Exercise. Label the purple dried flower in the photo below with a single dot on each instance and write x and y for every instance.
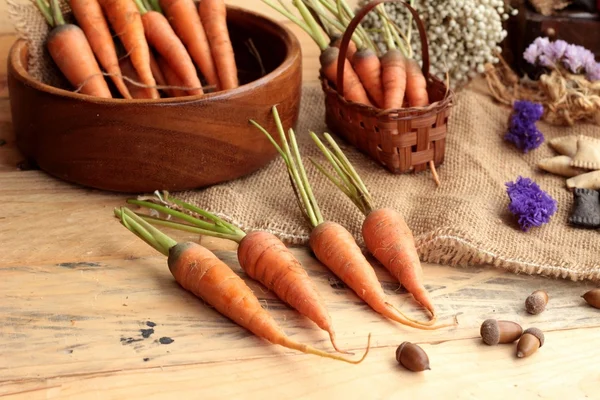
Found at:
(529, 203)
(531, 53)
(522, 131)
(531, 111)
(593, 72)
(543, 43)
(576, 57)
(557, 50)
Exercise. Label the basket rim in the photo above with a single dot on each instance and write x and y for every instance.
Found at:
(398, 113)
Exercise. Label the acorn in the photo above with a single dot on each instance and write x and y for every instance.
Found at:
(592, 298)
(494, 332)
(412, 357)
(536, 302)
(530, 342)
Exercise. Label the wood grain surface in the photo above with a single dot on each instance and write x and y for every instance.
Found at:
(84, 305)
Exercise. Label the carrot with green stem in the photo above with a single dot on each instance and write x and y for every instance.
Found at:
(71, 51)
(353, 88)
(91, 20)
(185, 19)
(330, 242)
(126, 21)
(213, 15)
(384, 230)
(262, 255)
(161, 36)
(199, 271)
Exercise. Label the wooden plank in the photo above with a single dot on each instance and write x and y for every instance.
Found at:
(564, 368)
(92, 317)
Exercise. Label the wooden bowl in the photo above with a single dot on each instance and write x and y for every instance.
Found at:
(172, 144)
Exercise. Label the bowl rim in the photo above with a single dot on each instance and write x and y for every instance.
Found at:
(293, 53)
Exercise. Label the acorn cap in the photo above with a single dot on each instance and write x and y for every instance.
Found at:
(537, 333)
(536, 302)
(490, 333)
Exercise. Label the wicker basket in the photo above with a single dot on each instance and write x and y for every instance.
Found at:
(401, 140)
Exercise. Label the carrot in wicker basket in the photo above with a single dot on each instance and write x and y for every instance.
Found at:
(202, 273)
(353, 88)
(262, 255)
(384, 230)
(331, 243)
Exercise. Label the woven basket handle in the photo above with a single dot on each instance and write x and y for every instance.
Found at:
(354, 23)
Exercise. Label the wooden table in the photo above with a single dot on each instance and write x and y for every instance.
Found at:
(87, 310)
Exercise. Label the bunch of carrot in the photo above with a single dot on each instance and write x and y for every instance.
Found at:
(389, 79)
(162, 48)
(384, 231)
(202, 273)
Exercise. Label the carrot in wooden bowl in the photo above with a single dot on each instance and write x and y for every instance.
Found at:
(69, 48)
(90, 18)
(262, 255)
(384, 230)
(185, 19)
(161, 36)
(202, 273)
(213, 15)
(331, 242)
(126, 21)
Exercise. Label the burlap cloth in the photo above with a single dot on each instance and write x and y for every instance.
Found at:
(465, 221)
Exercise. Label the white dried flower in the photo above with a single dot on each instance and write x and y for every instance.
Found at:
(463, 35)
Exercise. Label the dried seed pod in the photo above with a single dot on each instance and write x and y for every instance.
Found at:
(592, 298)
(412, 357)
(536, 302)
(494, 332)
(530, 342)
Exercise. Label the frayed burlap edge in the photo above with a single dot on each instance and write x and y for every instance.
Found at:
(447, 246)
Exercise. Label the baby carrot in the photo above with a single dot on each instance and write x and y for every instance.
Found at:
(213, 15)
(126, 21)
(200, 272)
(331, 243)
(69, 48)
(384, 230)
(184, 17)
(90, 18)
(416, 86)
(262, 255)
(161, 36)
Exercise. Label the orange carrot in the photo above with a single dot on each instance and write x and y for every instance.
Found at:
(184, 17)
(368, 68)
(126, 21)
(353, 88)
(262, 255)
(213, 15)
(128, 71)
(390, 240)
(171, 78)
(200, 272)
(331, 243)
(71, 51)
(416, 86)
(90, 18)
(161, 36)
(384, 230)
(393, 78)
